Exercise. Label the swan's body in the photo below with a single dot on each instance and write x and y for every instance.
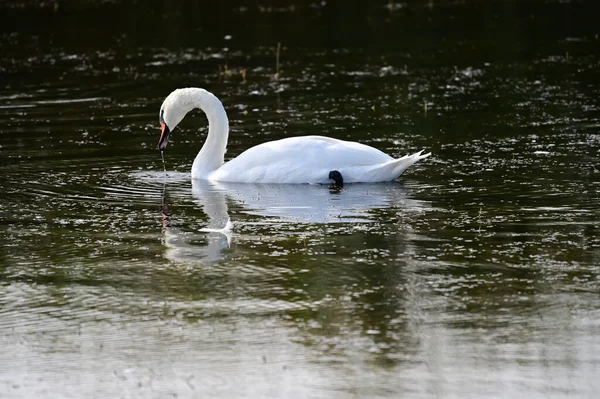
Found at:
(306, 159)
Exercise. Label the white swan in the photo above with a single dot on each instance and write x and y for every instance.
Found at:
(307, 159)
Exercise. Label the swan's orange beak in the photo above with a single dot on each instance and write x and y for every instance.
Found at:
(164, 136)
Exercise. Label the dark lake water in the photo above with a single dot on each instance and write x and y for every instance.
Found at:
(476, 274)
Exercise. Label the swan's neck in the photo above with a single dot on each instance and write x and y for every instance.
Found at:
(211, 156)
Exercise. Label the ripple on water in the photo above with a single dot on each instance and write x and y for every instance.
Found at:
(488, 247)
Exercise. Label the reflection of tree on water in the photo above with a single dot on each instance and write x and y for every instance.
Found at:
(344, 274)
(368, 307)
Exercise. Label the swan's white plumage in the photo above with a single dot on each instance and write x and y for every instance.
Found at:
(306, 159)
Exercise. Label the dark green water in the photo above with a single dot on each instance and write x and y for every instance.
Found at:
(477, 274)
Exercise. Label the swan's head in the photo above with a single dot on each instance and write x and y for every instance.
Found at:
(172, 111)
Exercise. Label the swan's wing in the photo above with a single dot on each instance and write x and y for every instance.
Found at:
(317, 151)
(305, 159)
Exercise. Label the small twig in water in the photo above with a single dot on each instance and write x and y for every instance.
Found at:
(277, 62)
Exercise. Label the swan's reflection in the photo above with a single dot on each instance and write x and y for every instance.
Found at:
(303, 203)
(183, 246)
(311, 204)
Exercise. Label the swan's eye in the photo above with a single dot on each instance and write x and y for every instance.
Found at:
(162, 116)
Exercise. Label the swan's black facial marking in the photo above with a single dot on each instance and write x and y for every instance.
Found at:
(337, 178)
(165, 132)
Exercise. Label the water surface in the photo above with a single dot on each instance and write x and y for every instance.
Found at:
(476, 274)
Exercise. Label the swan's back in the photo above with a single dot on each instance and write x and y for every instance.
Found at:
(306, 159)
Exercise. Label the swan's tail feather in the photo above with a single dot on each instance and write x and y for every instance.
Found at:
(387, 171)
(401, 164)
